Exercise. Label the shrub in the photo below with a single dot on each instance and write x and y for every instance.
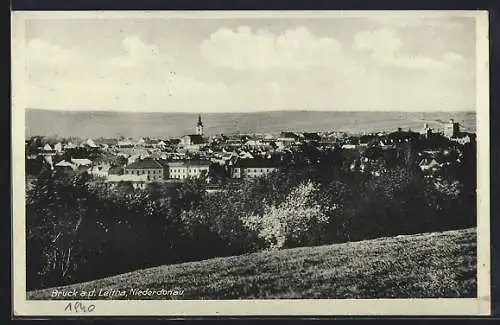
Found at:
(292, 222)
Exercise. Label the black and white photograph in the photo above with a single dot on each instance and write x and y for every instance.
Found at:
(172, 162)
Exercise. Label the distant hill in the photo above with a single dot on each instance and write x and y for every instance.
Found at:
(164, 125)
(429, 265)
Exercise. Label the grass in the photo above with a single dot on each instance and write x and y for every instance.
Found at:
(427, 265)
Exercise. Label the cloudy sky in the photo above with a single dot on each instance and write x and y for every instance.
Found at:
(249, 64)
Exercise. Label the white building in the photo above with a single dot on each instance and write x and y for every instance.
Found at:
(250, 168)
(90, 143)
(451, 129)
(65, 165)
(58, 147)
(81, 163)
(188, 169)
(100, 171)
(137, 181)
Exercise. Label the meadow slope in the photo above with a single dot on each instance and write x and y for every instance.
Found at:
(414, 266)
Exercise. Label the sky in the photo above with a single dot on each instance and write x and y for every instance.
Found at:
(172, 64)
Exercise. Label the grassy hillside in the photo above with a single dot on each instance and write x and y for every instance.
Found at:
(416, 266)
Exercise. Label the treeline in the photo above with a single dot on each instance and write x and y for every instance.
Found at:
(79, 231)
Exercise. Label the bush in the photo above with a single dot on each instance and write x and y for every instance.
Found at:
(292, 222)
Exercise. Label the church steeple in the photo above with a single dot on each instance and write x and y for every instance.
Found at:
(199, 126)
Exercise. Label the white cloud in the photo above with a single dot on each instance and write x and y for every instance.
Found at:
(384, 45)
(245, 49)
(294, 70)
(60, 78)
(135, 53)
(453, 58)
(42, 51)
(45, 57)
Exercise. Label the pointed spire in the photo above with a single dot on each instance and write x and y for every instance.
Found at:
(199, 120)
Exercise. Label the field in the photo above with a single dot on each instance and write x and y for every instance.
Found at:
(416, 266)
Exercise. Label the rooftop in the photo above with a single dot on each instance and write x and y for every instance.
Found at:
(145, 164)
(257, 162)
(81, 161)
(189, 163)
(126, 178)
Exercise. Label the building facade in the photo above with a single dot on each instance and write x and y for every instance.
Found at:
(137, 181)
(188, 169)
(250, 168)
(151, 169)
(451, 129)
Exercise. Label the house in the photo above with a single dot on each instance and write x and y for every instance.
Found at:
(90, 143)
(253, 143)
(451, 129)
(385, 144)
(429, 164)
(47, 148)
(463, 138)
(285, 142)
(245, 155)
(290, 135)
(140, 142)
(189, 168)
(311, 136)
(65, 165)
(81, 163)
(58, 147)
(100, 170)
(191, 139)
(106, 143)
(249, 168)
(69, 145)
(137, 181)
(152, 169)
(177, 170)
(161, 144)
(349, 146)
(426, 131)
(133, 158)
(268, 138)
(125, 144)
(223, 158)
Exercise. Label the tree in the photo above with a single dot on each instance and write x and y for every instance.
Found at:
(56, 207)
(292, 222)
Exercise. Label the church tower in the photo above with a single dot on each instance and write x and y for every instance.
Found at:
(199, 126)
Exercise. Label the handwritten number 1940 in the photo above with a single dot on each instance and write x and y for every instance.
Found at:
(79, 307)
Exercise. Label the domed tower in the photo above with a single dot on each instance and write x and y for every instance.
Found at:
(199, 126)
